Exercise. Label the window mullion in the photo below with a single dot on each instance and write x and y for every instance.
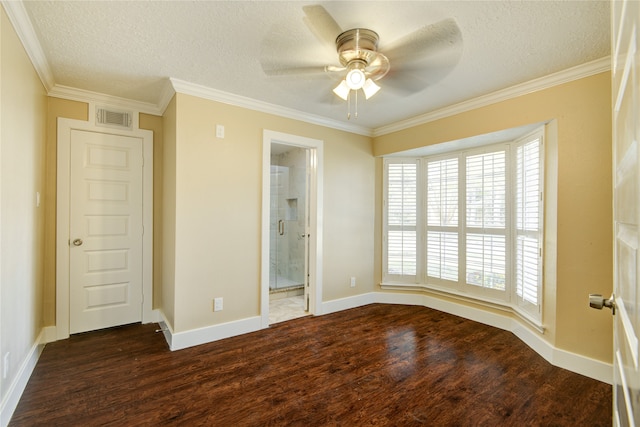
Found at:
(421, 255)
(511, 184)
(462, 221)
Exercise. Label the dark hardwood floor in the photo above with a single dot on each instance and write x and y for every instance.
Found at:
(375, 365)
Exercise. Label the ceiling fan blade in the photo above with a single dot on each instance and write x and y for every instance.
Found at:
(426, 41)
(405, 83)
(322, 25)
(414, 77)
(329, 70)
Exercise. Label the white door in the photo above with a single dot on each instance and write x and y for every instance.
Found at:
(105, 230)
(626, 212)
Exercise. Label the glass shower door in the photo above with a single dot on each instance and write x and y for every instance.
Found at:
(288, 227)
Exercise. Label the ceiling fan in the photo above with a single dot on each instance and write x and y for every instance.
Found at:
(410, 64)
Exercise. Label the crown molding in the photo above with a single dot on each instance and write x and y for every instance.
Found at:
(22, 25)
(74, 94)
(187, 88)
(165, 96)
(578, 72)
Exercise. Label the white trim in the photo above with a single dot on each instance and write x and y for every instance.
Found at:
(165, 97)
(629, 410)
(22, 24)
(354, 301)
(316, 218)
(193, 337)
(19, 383)
(204, 92)
(73, 94)
(573, 362)
(575, 73)
(62, 219)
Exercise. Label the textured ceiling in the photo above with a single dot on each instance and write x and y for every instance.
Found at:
(130, 49)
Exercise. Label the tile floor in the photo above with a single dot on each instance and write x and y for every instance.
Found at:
(283, 309)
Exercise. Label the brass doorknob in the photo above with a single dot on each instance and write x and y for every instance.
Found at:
(597, 301)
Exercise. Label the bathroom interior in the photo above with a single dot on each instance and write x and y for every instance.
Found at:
(288, 233)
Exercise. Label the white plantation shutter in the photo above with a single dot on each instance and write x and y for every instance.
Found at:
(486, 220)
(486, 190)
(401, 219)
(486, 261)
(528, 222)
(442, 219)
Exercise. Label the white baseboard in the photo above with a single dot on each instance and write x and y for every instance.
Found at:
(579, 364)
(193, 337)
(336, 305)
(19, 383)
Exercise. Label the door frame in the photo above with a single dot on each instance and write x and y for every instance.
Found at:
(65, 126)
(316, 152)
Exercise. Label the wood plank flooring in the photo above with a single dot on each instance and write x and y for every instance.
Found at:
(382, 365)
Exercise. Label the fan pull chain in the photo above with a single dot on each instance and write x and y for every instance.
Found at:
(349, 105)
(356, 104)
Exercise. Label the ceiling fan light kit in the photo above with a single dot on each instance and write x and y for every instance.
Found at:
(370, 88)
(342, 90)
(357, 52)
(355, 79)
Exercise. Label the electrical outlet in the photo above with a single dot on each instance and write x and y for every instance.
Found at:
(5, 366)
(353, 282)
(217, 304)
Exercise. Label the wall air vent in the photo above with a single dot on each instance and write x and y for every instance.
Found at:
(113, 118)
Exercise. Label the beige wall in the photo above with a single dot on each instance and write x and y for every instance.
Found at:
(154, 124)
(218, 184)
(23, 104)
(582, 112)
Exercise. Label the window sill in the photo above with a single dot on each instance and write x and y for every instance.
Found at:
(477, 301)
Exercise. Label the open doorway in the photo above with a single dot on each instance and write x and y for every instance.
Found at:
(291, 259)
(288, 233)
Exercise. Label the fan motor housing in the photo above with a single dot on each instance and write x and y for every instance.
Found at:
(356, 39)
(358, 47)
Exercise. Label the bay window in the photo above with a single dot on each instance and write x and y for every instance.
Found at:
(468, 223)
